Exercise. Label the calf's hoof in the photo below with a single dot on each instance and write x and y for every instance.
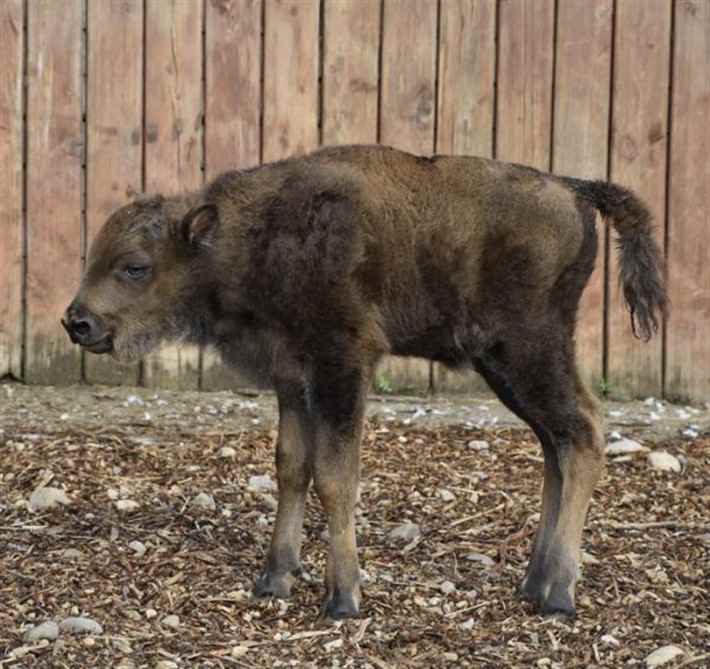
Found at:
(338, 606)
(551, 598)
(275, 585)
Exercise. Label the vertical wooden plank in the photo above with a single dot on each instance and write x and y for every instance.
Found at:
(114, 119)
(526, 54)
(54, 137)
(688, 344)
(466, 77)
(638, 161)
(350, 71)
(11, 49)
(407, 110)
(409, 37)
(290, 78)
(465, 110)
(232, 115)
(173, 150)
(580, 143)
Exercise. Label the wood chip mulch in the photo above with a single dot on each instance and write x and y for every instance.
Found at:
(645, 578)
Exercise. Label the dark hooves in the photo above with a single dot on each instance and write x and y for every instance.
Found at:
(339, 607)
(549, 599)
(273, 585)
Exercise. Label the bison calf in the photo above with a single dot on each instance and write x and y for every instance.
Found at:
(306, 272)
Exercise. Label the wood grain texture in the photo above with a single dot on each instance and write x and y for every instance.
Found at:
(232, 116)
(350, 71)
(638, 161)
(524, 107)
(54, 155)
(407, 109)
(688, 343)
(173, 149)
(290, 78)
(466, 78)
(465, 112)
(114, 130)
(580, 143)
(11, 49)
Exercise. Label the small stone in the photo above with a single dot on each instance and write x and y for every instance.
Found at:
(227, 453)
(138, 547)
(47, 630)
(126, 663)
(447, 587)
(610, 640)
(80, 625)
(664, 462)
(166, 664)
(691, 433)
(126, 505)
(405, 532)
(134, 400)
(47, 498)
(451, 657)
(332, 645)
(467, 625)
(270, 501)
(171, 621)
(663, 655)
(478, 445)
(446, 495)
(150, 613)
(262, 483)
(624, 447)
(239, 651)
(480, 557)
(72, 554)
(122, 644)
(203, 501)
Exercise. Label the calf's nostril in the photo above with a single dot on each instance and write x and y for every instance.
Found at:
(81, 328)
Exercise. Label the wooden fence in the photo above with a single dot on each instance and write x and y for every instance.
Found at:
(103, 99)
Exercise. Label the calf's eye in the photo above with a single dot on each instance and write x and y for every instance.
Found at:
(135, 271)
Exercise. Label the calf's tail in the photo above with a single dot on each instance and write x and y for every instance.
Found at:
(641, 266)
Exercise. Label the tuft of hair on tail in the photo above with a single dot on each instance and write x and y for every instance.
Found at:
(641, 265)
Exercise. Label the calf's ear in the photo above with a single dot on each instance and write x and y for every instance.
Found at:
(199, 226)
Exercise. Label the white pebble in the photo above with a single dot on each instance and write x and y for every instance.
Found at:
(138, 547)
(405, 532)
(624, 447)
(171, 621)
(126, 505)
(227, 453)
(478, 445)
(480, 557)
(47, 498)
(447, 587)
(446, 495)
(47, 630)
(610, 640)
(79, 625)
(204, 501)
(262, 483)
(663, 655)
(166, 664)
(664, 461)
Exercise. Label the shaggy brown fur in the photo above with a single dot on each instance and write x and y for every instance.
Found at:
(307, 271)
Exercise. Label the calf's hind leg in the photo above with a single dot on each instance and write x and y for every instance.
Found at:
(293, 470)
(544, 389)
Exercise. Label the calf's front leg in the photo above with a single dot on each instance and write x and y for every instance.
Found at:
(339, 401)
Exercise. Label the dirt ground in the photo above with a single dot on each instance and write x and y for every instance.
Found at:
(169, 580)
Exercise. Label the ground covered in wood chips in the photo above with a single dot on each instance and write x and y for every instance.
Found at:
(445, 597)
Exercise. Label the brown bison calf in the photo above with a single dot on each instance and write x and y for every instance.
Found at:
(307, 271)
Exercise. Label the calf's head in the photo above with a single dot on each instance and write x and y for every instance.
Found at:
(141, 277)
